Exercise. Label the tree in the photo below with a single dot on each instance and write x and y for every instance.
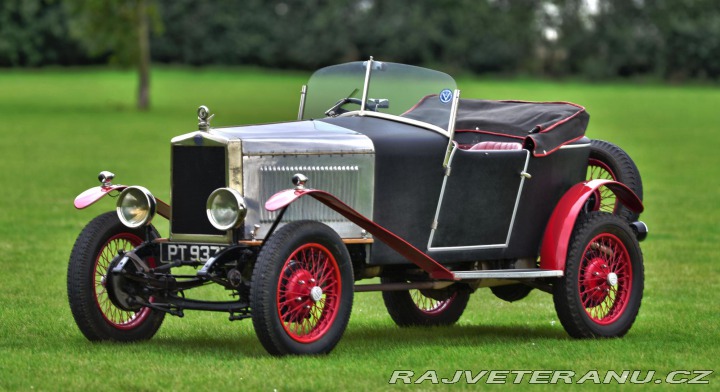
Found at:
(35, 33)
(690, 31)
(120, 28)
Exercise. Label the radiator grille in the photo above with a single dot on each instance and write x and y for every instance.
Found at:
(196, 172)
(341, 181)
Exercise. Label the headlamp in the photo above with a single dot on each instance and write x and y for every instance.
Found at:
(136, 206)
(226, 208)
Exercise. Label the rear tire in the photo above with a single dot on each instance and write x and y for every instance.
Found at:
(610, 162)
(413, 308)
(602, 289)
(94, 313)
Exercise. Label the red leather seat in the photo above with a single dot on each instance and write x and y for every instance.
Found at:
(496, 146)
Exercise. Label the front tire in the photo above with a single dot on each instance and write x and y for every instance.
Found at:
(94, 313)
(600, 294)
(423, 308)
(302, 290)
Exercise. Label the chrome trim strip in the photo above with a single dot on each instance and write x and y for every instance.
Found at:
(509, 274)
(437, 210)
(202, 238)
(451, 127)
(188, 139)
(303, 96)
(366, 86)
(517, 200)
(309, 153)
(477, 247)
(234, 164)
(399, 119)
(569, 146)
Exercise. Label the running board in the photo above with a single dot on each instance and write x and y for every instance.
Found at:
(529, 273)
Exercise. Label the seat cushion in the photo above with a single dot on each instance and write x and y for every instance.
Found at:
(496, 146)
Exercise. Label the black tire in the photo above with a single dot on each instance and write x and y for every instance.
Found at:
(301, 293)
(602, 250)
(94, 313)
(512, 292)
(425, 308)
(608, 161)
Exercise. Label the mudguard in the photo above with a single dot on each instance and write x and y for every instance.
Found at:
(416, 256)
(553, 251)
(92, 195)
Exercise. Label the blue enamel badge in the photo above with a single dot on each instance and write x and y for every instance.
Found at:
(446, 96)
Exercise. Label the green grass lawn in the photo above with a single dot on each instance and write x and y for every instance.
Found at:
(60, 128)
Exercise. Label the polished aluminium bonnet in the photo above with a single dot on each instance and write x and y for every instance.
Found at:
(261, 160)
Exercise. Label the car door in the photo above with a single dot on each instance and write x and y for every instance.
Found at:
(479, 200)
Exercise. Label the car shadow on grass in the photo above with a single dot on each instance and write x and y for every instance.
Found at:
(452, 335)
(364, 339)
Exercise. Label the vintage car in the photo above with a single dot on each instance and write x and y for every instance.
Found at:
(393, 177)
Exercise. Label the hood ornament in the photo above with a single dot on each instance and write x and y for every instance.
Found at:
(204, 118)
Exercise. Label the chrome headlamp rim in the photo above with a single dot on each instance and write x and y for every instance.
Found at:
(239, 204)
(148, 201)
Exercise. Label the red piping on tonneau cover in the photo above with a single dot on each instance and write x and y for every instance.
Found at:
(427, 263)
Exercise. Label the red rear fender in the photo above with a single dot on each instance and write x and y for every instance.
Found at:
(562, 221)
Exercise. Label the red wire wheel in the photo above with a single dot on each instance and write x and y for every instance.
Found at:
(425, 308)
(309, 290)
(603, 198)
(609, 162)
(605, 279)
(118, 318)
(94, 313)
(430, 306)
(602, 289)
(302, 290)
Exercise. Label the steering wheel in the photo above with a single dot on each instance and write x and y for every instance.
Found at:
(337, 109)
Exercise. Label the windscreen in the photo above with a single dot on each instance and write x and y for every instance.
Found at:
(395, 89)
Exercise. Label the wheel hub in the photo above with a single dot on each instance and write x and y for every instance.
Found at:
(597, 281)
(121, 290)
(316, 293)
(299, 284)
(612, 279)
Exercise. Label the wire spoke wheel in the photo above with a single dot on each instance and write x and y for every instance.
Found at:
(119, 318)
(309, 292)
(301, 292)
(605, 278)
(609, 162)
(429, 305)
(604, 200)
(602, 289)
(87, 282)
(425, 307)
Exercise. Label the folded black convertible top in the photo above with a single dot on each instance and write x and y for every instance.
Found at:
(542, 127)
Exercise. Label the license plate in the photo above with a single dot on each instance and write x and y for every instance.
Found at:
(171, 251)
